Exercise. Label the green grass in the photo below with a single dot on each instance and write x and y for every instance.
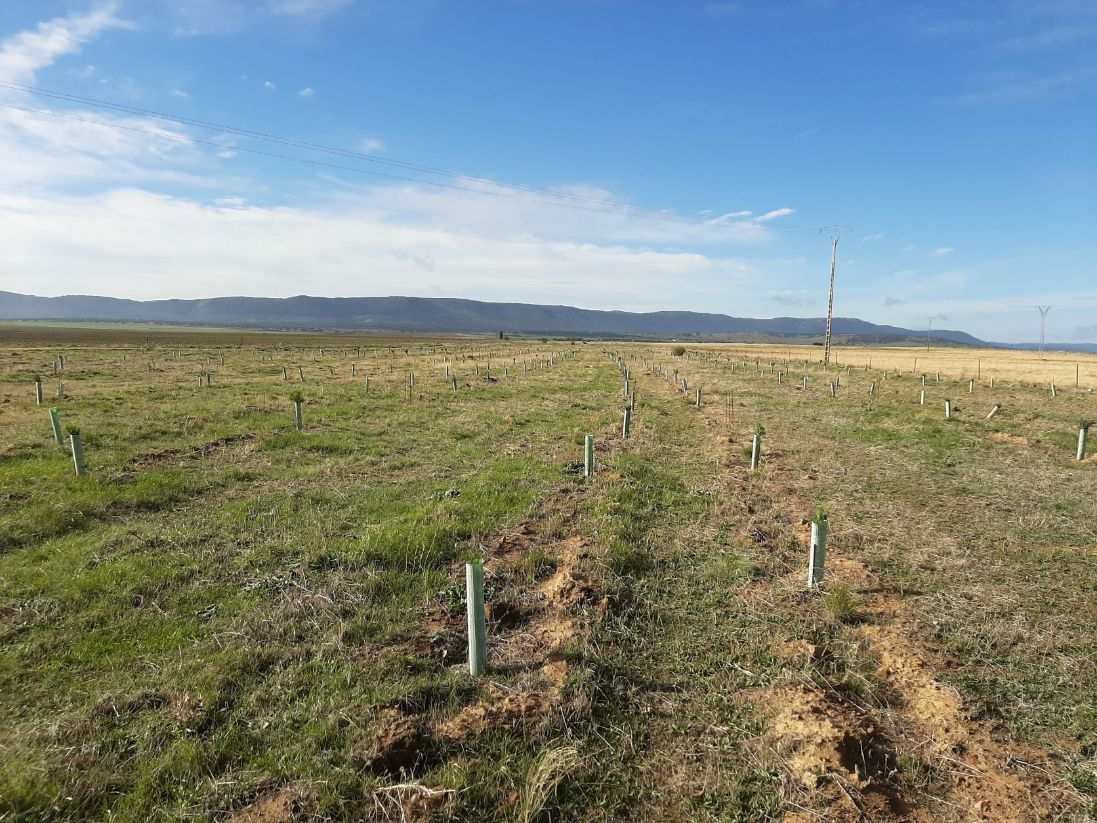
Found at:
(224, 605)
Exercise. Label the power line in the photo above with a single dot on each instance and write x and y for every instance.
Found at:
(273, 138)
(181, 138)
(566, 199)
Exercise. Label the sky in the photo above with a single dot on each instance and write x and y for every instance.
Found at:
(608, 154)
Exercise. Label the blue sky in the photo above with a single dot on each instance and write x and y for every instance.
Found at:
(703, 143)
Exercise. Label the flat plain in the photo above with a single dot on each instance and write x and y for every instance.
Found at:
(225, 618)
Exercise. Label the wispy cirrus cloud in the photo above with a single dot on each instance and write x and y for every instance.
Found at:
(307, 8)
(773, 215)
(90, 194)
(28, 52)
(942, 251)
(1014, 88)
(43, 147)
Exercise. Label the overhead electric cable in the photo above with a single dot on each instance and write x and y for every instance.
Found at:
(559, 198)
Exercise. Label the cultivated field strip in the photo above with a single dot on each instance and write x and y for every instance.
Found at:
(229, 617)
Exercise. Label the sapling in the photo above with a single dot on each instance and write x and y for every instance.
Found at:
(817, 552)
(756, 447)
(1083, 433)
(477, 623)
(297, 398)
(77, 451)
(588, 456)
(55, 422)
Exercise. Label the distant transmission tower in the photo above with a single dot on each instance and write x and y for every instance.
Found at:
(1043, 325)
(830, 298)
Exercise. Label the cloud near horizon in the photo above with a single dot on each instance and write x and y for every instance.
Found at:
(126, 206)
(92, 216)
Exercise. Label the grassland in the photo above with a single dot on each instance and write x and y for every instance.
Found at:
(228, 619)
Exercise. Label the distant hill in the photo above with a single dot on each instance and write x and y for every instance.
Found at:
(443, 314)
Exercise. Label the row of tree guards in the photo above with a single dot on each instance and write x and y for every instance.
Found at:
(474, 570)
(781, 373)
(297, 399)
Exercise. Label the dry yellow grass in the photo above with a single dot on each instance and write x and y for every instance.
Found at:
(1062, 368)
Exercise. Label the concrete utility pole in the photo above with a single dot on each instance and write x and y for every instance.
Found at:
(1043, 325)
(929, 334)
(830, 299)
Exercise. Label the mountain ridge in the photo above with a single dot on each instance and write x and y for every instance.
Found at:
(444, 314)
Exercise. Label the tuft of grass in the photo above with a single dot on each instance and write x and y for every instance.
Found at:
(543, 779)
(842, 604)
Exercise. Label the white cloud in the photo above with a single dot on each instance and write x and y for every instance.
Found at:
(1021, 89)
(371, 145)
(41, 148)
(127, 241)
(23, 54)
(179, 93)
(269, 85)
(942, 251)
(731, 216)
(307, 8)
(306, 92)
(82, 223)
(221, 17)
(773, 215)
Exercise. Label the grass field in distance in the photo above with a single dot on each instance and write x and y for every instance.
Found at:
(228, 619)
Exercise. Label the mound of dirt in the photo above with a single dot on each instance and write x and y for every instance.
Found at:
(401, 744)
(502, 710)
(280, 806)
